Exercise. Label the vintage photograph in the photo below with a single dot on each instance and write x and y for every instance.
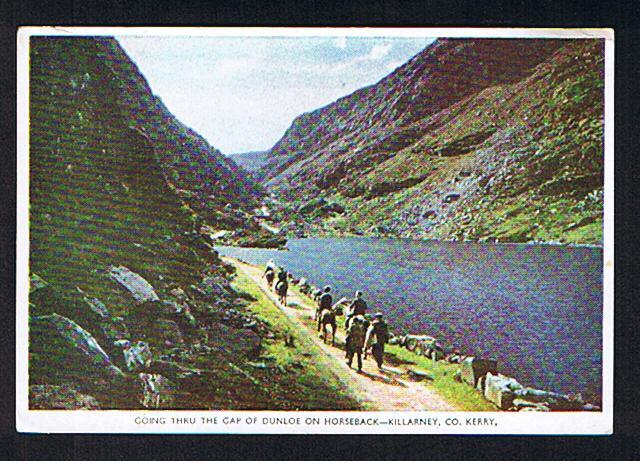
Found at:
(315, 220)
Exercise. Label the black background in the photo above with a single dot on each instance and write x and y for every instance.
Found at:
(622, 16)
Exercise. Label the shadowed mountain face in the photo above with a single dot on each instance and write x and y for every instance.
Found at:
(118, 258)
(470, 139)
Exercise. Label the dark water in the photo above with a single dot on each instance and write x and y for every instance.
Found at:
(537, 309)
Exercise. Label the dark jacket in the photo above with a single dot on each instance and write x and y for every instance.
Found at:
(358, 306)
(326, 301)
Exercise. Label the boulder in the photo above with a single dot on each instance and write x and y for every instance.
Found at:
(474, 368)
(501, 390)
(112, 328)
(60, 397)
(157, 391)
(59, 348)
(523, 405)
(416, 342)
(36, 283)
(437, 355)
(136, 356)
(140, 289)
(419, 375)
(555, 401)
(451, 197)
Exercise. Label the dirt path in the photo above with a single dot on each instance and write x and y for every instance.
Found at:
(386, 390)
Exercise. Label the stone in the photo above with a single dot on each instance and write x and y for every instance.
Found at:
(519, 404)
(451, 197)
(60, 397)
(415, 342)
(136, 356)
(501, 390)
(555, 401)
(474, 368)
(36, 283)
(157, 391)
(111, 327)
(59, 347)
(418, 375)
(140, 289)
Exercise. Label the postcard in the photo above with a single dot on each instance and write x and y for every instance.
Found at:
(315, 230)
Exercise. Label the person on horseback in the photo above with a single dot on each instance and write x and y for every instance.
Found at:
(324, 302)
(282, 286)
(356, 333)
(269, 274)
(358, 307)
(380, 331)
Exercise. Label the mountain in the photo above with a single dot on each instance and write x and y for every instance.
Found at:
(127, 295)
(252, 161)
(479, 139)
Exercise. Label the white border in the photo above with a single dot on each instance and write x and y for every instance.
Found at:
(565, 423)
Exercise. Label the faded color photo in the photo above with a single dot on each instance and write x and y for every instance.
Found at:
(316, 223)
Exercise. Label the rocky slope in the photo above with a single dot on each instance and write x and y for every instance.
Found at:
(471, 139)
(129, 305)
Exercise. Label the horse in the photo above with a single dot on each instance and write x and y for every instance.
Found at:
(281, 291)
(327, 317)
(269, 275)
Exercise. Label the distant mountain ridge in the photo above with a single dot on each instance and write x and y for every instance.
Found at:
(252, 161)
(466, 123)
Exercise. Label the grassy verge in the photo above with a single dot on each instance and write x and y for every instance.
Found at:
(461, 395)
(306, 379)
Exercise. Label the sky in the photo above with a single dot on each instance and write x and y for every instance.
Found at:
(242, 93)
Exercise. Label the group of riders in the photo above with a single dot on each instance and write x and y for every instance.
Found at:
(364, 332)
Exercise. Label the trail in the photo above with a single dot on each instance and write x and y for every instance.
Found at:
(386, 390)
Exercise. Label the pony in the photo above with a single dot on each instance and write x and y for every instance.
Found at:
(327, 318)
(281, 291)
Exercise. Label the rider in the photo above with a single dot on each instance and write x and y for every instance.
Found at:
(282, 285)
(269, 273)
(324, 302)
(380, 331)
(355, 340)
(358, 307)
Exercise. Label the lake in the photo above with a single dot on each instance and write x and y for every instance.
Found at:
(537, 309)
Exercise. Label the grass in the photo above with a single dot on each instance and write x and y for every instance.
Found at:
(308, 380)
(461, 395)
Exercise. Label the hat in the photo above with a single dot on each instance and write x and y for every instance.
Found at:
(377, 315)
(327, 289)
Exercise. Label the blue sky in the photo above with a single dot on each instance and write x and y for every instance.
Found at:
(241, 93)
